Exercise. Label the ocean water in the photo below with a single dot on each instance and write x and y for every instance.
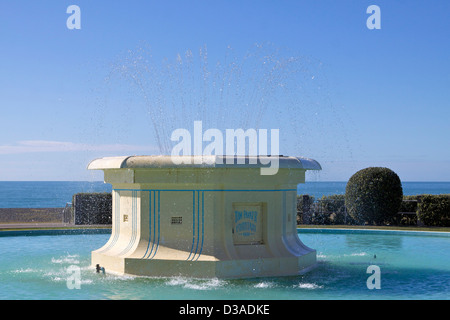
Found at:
(55, 194)
(45, 194)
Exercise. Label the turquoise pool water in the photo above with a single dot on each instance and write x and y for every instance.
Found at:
(412, 266)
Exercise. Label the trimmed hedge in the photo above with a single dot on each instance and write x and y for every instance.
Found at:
(328, 210)
(434, 210)
(430, 210)
(374, 195)
(333, 209)
(304, 203)
(92, 208)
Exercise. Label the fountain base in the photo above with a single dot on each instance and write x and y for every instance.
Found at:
(208, 269)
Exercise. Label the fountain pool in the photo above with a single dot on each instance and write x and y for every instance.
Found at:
(413, 265)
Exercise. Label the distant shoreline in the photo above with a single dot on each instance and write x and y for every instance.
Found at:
(38, 218)
(31, 215)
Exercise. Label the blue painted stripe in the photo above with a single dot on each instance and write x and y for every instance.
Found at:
(154, 224)
(159, 208)
(154, 236)
(193, 224)
(200, 236)
(203, 224)
(149, 223)
(154, 221)
(198, 223)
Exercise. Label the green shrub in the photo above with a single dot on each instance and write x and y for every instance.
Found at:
(304, 207)
(320, 216)
(434, 210)
(374, 195)
(333, 206)
(304, 202)
(328, 210)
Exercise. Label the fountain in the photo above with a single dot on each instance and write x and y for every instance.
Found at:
(205, 218)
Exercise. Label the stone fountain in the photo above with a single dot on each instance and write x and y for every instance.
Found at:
(205, 218)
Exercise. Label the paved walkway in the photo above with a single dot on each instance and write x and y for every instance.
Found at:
(7, 226)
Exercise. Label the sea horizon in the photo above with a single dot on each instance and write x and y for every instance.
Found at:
(56, 194)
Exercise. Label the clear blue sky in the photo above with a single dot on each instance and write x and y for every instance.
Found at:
(368, 97)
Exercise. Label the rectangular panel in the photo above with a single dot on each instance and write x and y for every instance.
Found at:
(247, 223)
